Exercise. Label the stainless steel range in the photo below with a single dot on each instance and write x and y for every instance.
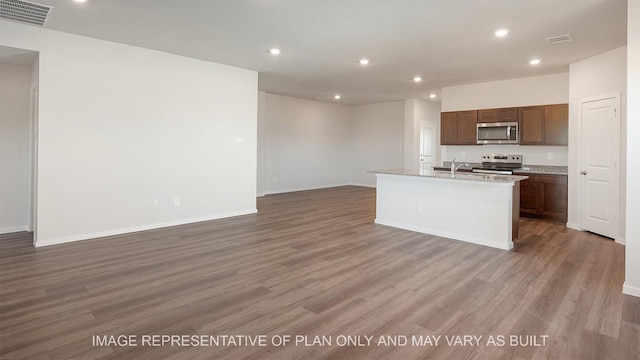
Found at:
(499, 164)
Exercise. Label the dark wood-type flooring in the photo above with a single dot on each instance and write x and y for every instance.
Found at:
(313, 263)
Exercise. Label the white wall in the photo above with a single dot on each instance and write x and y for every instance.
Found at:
(15, 87)
(307, 144)
(535, 90)
(377, 140)
(531, 155)
(632, 250)
(599, 75)
(311, 144)
(416, 111)
(120, 126)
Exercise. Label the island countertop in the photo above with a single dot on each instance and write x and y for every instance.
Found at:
(494, 178)
(526, 169)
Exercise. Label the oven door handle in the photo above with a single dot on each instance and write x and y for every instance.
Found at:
(501, 172)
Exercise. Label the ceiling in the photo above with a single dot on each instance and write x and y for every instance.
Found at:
(445, 42)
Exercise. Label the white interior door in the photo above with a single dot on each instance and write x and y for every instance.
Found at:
(600, 170)
(427, 145)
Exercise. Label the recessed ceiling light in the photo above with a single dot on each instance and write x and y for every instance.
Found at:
(534, 62)
(80, 1)
(363, 61)
(417, 79)
(274, 51)
(337, 97)
(501, 32)
(433, 96)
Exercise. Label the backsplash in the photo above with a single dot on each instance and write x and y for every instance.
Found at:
(531, 155)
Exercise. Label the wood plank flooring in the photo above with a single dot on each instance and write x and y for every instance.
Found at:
(313, 264)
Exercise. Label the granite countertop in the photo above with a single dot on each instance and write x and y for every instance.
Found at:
(543, 169)
(464, 166)
(526, 169)
(493, 178)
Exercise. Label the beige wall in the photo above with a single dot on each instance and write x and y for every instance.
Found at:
(377, 140)
(306, 144)
(632, 280)
(121, 126)
(535, 90)
(15, 156)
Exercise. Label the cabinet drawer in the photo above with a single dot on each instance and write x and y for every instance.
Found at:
(546, 179)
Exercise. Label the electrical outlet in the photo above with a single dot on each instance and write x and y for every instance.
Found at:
(176, 201)
(156, 203)
(549, 156)
(420, 207)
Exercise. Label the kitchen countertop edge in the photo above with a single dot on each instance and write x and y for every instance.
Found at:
(525, 169)
(487, 178)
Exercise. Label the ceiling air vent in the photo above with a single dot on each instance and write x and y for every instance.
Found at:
(559, 39)
(24, 12)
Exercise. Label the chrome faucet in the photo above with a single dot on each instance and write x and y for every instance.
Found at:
(454, 167)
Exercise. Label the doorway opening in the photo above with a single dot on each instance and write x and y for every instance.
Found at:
(599, 165)
(427, 145)
(19, 69)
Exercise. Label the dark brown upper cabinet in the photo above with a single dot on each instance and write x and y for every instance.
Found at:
(498, 115)
(539, 125)
(532, 125)
(556, 124)
(544, 125)
(458, 127)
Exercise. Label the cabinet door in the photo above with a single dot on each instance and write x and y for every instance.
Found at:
(488, 115)
(555, 202)
(556, 124)
(532, 125)
(449, 128)
(544, 197)
(467, 127)
(507, 114)
(555, 197)
(530, 197)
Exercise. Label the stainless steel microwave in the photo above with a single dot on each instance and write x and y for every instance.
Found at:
(498, 133)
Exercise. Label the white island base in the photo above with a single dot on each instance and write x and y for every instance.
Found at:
(471, 208)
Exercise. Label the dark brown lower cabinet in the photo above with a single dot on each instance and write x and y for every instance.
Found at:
(544, 197)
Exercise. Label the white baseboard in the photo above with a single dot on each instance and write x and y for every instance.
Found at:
(89, 236)
(446, 234)
(620, 240)
(630, 290)
(574, 226)
(13, 229)
(306, 188)
(364, 185)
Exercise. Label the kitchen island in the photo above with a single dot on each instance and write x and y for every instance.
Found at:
(477, 208)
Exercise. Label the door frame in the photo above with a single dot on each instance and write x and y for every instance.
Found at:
(617, 96)
(32, 221)
(434, 140)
